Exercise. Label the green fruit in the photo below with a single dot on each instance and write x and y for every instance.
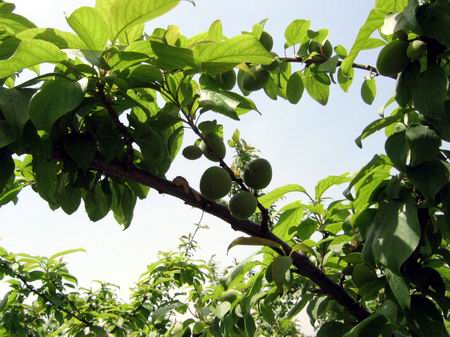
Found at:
(392, 58)
(227, 79)
(214, 148)
(362, 274)
(416, 50)
(215, 183)
(256, 80)
(258, 174)
(266, 40)
(192, 152)
(230, 295)
(242, 205)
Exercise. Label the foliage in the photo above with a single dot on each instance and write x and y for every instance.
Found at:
(106, 124)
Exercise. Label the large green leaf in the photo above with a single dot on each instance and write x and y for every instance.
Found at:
(90, 26)
(63, 40)
(397, 149)
(295, 87)
(54, 100)
(317, 85)
(399, 288)
(424, 144)
(397, 234)
(28, 54)
(429, 92)
(252, 241)
(170, 57)
(290, 217)
(297, 32)
(122, 15)
(81, 149)
(7, 134)
(373, 21)
(13, 23)
(432, 18)
(377, 125)
(14, 106)
(218, 56)
(98, 201)
(273, 196)
(323, 185)
(424, 319)
(429, 177)
(6, 168)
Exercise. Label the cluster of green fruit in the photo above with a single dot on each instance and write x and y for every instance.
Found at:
(257, 76)
(216, 182)
(396, 55)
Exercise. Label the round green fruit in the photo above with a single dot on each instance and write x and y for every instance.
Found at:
(416, 50)
(362, 274)
(230, 295)
(266, 40)
(214, 148)
(242, 205)
(258, 174)
(192, 152)
(227, 79)
(256, 80)
(392, 58)
(215, 183)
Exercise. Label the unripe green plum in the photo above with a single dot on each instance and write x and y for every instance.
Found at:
(227, 80)
(215, 183)
(392, 58)
(266, 40)
(256, 80)
(416, 50)
(258, 174)
(242, 205)
(192, 152)
(214, 148)
(230, 295)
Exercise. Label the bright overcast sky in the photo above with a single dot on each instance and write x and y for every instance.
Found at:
(304, 143)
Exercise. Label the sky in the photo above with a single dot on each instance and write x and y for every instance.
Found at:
(304, 143)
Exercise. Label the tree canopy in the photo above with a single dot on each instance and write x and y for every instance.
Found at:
(103, 127)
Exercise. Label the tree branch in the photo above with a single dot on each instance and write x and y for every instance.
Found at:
(191, 197)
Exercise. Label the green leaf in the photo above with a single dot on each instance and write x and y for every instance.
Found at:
(399, 288)
(329, 66)
(373, 21)
(252, 241)
(224, 55)
(294, 89)
(290, 217)
(63, 40)
(431, 18)
(425, 319)
(68, 196)
(81, 149)
(397, 150)
(377, 125)
(273, 196)
(323, 185)
(170, 57)
(98, 201)
(221, 309)
(7, 134)
(124, 201)
(28, 54)
(162, 311)
(218, 102)
(372, 326)
(121, 15)
(66, 252)
(429, 92)
(296, 32)
(429, 177)
(397, 234)
(55, 99)
(317, 85)
(14, 106)
(6, 168)
(215, 32)
(333, 329)
(12, 23)
(90, 26)
(345, 81)
(369, 90)
(424, 144)
(279, 268)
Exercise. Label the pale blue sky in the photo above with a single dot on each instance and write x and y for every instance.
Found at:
(304, 142)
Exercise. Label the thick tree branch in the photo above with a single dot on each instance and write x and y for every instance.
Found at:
(191, 197)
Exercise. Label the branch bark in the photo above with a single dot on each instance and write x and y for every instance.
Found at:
(191, 197)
